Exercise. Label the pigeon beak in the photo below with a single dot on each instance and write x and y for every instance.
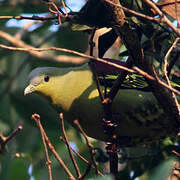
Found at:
(29, 89)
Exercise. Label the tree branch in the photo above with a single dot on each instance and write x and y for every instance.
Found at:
(144, 61)
(36, 118)
(68, 146)
(44, 56)
(5, 140)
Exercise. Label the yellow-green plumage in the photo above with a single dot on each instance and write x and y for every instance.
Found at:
(73, 92)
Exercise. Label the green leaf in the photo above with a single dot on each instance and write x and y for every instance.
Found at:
(107, 177)
(3, 76)
(164, 170)
(79, 27)
(75, 40)
(14, 167)
(19, 169)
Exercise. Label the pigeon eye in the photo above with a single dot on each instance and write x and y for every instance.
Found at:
(46, 78)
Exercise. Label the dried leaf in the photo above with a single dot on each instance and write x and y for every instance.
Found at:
(106, 41)
(170, 7)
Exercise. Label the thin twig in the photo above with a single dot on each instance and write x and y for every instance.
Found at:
(51, 147)
(91, 149)
(166, 73)
(133, 70)
(143, 73)
(174, 59)
(48, 161)
(68, 146)
(68, 51)
(74, 151)
(5, 140)
(133, 12)
(164, 19)
(57, 11)
(30, 18)
(167, 55)
(13, 134)
(81, 157)
(44, 56)
(176, 153)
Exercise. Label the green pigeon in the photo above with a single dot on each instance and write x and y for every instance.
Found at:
(139, 119)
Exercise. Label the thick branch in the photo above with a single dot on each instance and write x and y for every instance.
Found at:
(132, 43)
